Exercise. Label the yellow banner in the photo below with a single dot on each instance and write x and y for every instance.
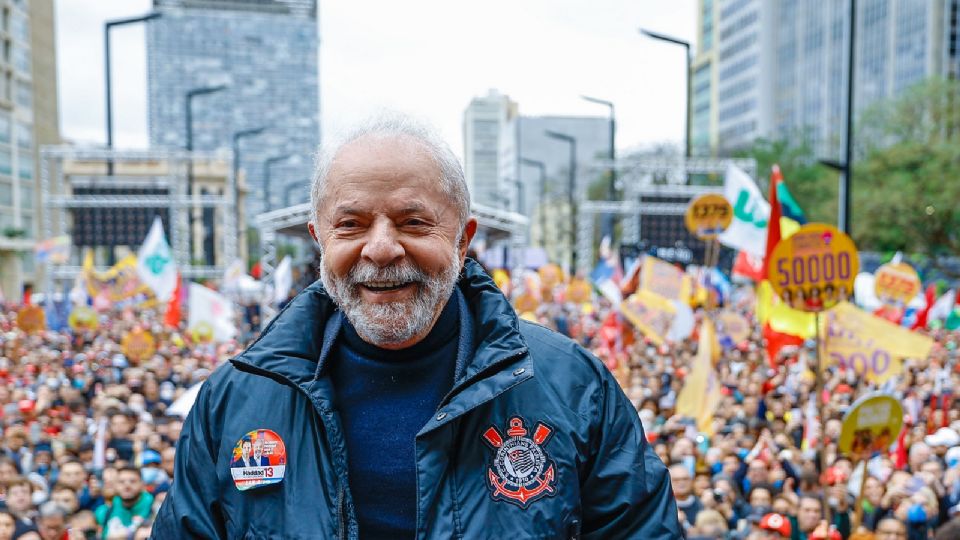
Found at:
(119, 285)
(665, 279)
(701, 393)
(871, 346)
(650, 313)
(783, 318)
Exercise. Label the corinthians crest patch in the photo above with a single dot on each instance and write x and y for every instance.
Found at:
(520, 471)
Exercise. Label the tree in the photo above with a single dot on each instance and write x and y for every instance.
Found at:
(812, 185)
(907, 183)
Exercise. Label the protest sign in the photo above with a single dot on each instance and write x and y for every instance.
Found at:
(870, 426)
(138, 345)
(31, 319)
(871, 346)
(650, 313)
(83, 318)
(896, 283)
(814, 268)
(708, 215)
(665, 279)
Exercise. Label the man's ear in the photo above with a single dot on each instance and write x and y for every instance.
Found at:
(313, 231)
(469, 231)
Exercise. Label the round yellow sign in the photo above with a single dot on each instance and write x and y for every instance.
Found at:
(709, 215)
(138, 345)
(896, 283)
(578, 291)
(871, 425)
(31, 319)
(83, 318)
(815, 268)
(202, 332)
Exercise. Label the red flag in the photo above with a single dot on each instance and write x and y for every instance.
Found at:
(748, 266)
(900, 455)
(777, 341)
(931, 297)
(174, 308)
(773, 224)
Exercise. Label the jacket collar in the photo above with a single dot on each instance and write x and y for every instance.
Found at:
(289, 348)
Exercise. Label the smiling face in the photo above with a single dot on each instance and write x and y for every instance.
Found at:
(391, 239)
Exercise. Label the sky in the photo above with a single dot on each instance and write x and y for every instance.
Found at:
(428, 58)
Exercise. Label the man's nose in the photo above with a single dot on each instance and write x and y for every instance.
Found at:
(383, 247)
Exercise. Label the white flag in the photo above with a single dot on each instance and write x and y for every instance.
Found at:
(211, 308)
(232, 275)
(748, 230)
(282, 280)
(943, 306)
(155, 265)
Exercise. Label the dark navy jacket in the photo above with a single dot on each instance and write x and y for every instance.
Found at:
(535, 440)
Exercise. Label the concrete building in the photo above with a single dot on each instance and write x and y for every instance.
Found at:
(489, 142)
(778, 68)
(592, 134)
(28, 118)
(265, 51)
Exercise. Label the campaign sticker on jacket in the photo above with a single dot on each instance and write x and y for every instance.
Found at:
(521, 471)
(258, 459)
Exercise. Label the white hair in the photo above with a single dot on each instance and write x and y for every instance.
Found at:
(396, 125)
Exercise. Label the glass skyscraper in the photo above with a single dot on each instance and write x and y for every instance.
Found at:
(775, 68)
(265, 51)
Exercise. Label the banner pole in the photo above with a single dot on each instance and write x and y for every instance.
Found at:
(858, 511)
(820, 410)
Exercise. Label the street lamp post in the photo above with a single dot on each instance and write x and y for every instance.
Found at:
(236, 156)
(188, 110)
(571, 193)
(290, 189)
(266, 177)
(543, 195)
(612, 187)
(686, 46)
(106, 65)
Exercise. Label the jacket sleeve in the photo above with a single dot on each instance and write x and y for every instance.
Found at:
(626, 492)
(192, 509)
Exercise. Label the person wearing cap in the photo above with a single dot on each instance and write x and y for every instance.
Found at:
(773, 526)
(412, 400)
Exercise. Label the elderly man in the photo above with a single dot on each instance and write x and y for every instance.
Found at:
(401, 393)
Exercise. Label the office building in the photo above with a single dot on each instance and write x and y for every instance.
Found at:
(265, 52)
(778, 68)
(489, 142)
(28, 119)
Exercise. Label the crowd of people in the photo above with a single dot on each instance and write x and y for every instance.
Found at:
(763, 469)
(88, 446)
(89, 441)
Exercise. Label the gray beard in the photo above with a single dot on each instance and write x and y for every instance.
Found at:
(390, 323)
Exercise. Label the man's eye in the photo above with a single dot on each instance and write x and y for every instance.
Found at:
(347, 224)
(415, 222)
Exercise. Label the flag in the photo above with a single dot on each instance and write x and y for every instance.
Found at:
(210, 307)
(789, 209)
(943, 306)
(773, 227)
(872, 346)
(155, 265)
(55, 312)
(748, 230)
(811, 425)
(607, 275)
(748, 266)
(174, 312)
(701, 391)
(53, 250)
(232, 275)
(282, 280)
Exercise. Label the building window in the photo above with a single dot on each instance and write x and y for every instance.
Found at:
(4, 127)
(21, 61)
(6, 194)
(24, 136)
(20, 27)
(26, 168)
(24, 94)
(6, 162)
